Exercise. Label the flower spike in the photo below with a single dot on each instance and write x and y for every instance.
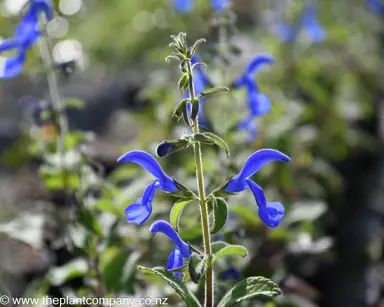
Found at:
(166, 228)
(252, 165)
(270, 213)
(146, 161)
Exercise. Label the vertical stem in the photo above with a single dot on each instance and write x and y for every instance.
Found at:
(209, 290)
(56, 100)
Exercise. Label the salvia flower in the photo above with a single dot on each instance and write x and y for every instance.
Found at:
(220, 5)
(258, 103)
(183, 6)
(308, 22)
(248, 124)
(376, 6)
(270, 213)
(26, 34)
(181, 249)
(140, 211)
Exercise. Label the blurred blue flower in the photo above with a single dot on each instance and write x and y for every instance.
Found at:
(270, 213)
(231, 273)
(140, 211)
(183, 6)
(249, 125)
(308, 22)
(376, 6)
(26, 34)
(181, 250)
(258, 103)
(220, 5)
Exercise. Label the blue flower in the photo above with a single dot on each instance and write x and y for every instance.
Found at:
(256, 161)
(258, 103)
(183, 6)
(308, 22)
(181, 250)
(140, 211)
(376, 6)
(270, 213)
(249, 125)
(26, 34)
(220, 5)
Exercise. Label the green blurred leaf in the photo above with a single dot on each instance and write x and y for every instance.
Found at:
(73, 269)
(186, 295)
(212, 91)
(252, 287)
(74, 103)
(89, 220)
(183, 82)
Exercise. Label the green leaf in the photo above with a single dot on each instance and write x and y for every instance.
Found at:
(184, 82)
(165, 148)
(186, 116)
(212, 91)
(74, 103)
(196, 267)
(252, 287)
(195, 109)
(192, 50)
(87, 219)
(186, 295)
(211, 138)
(178, 111)
(75, 268)
(176, 212)
(220, 214)
(224, 249)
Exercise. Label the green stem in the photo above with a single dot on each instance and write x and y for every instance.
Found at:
(209, 278)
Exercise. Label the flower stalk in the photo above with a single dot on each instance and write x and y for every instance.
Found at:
(209, 276)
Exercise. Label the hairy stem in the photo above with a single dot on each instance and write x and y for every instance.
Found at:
(209, 278)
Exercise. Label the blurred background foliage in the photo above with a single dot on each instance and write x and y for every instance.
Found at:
(326, 115)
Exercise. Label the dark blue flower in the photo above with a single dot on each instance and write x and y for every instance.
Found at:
(220, 5)
(252, 165)
(258, 103)
(231, 273)
(183, 6)
(26, 34)
(270, 213)
(140, 211)
(181, 250)
(376, 6)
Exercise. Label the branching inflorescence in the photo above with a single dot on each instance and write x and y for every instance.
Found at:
(186, 261)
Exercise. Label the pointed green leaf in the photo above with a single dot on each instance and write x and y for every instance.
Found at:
(192, 50)
(176, 212)
(212, 91)
(220, 214)
(186, 295)
(196, 267)
(211, 138)
(252, 287)
(224, 249)
(184, 82)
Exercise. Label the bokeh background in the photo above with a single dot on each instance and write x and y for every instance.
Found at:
(327, 114)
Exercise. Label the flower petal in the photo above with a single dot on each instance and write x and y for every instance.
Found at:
(12, 66)
(137, 213)
(183, 6)
(259, 61)
(166, 228)
(259, 104)
(316, 33)
(258, 193)
(175, 260)
(252, 165)
(146, 161)
(285, 32)
(220, 5)
(38, 6)
(272, 214)
(249, 125)
(9, 44)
